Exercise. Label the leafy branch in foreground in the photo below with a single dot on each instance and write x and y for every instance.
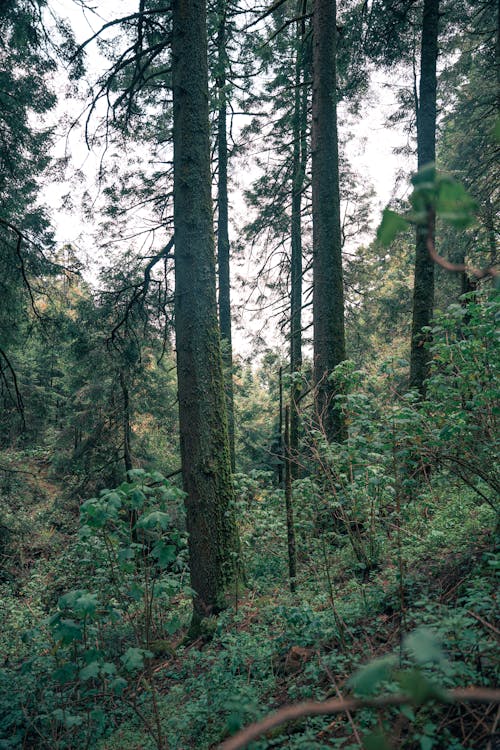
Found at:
(416, 689)
(435, 194)
(341, 705)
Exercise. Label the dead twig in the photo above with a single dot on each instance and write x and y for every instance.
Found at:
(339, 696)
(484, 622)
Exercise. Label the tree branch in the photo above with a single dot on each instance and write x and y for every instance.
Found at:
(141, 289)
(132, 17)
(336, 706)
(19, 399)
(479, 273)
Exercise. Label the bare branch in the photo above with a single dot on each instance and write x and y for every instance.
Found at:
(336, 706)
(479, 273)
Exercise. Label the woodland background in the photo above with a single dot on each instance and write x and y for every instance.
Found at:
(190, 538)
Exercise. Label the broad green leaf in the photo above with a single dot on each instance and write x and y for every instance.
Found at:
(73, 720)
(173, 625)
(114, 499)
(390, 226)
(91, 671)
(135, 591)
(375, 741)
(153, 520)
(86, 603)
(98, 717)
(426, 743)
(66, 673)
(67, 601)
(454, 204)
(133, 658)
(156, 476)
(424, 647)
(137, 498)
(425, 178)
(366, 680)
(164, 553)
(118, 685)
(68, 631)
(69, 720)
(418, 687)
(108, 668)
(125, 554)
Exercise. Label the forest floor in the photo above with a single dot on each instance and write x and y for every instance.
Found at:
(271, 647)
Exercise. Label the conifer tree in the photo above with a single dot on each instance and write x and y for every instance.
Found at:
(328, 289)
(25, 236)
(223, 247)
(423, 291)
(213, 537)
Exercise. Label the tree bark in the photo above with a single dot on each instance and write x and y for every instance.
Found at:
(223, 247)
(127, 452)
(423, 292)
(328, 290)
(206, 466)
(290, 527)
(280, 451)
(299, 168)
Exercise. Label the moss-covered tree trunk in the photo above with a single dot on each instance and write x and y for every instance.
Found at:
(299, 169)
(223, 247)
(423, 292)
(206, 468)
(127, 451)
(328, 290)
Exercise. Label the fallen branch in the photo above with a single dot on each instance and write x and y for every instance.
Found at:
(9, 470)
(484, 622)
(315, 708)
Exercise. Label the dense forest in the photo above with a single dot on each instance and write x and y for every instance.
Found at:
(249, 471)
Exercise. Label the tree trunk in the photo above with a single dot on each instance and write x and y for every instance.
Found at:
(206, 465)
(423, 293)
(299, 168)
(127, 453)
(292, 554)
(328, 290)
(279, 448)
(223, 248)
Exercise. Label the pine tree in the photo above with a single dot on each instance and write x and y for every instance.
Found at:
(423, 290)
(223, 247)
(213, 537)
(25, 236)
(328, 289)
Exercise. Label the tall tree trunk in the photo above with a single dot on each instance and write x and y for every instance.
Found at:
(290, 527)
(279, 447)
(206, 465)
(299, 168)
(127, 453)
(423, 293)
(223, 248)
(497, 57)
(328, 290)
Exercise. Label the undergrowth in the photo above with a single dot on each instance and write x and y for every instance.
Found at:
(397, 557)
